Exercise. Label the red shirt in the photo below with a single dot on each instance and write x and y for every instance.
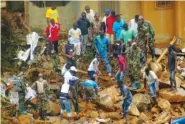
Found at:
(52, 32)
(109, 23)
(122, 63)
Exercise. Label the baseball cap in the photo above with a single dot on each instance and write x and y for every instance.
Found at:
(107, 11)
(73, 68)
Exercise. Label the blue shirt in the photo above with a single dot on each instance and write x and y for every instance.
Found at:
(101, 45)
(90, 83)
(117, 28)
(126, 93)
(83, 25)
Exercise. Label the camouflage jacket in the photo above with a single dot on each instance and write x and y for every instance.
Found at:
(150, 29)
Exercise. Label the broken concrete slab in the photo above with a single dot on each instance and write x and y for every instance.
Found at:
(173, 96)
(164, 104)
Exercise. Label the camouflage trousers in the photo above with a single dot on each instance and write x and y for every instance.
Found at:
(42, 102)
(90, 93)
(75, 91)
(54, 61)
(151, 47)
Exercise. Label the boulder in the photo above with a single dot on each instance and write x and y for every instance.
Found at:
(155, 110)
(163, 117)
(173, 96)
(156, 67)
(54, 108)
(141, 98)
(108, 97)
(143, 117)
(25, 119)
(134, 110)
(164, 104)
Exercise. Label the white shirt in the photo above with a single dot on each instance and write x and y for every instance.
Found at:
(91, 66)
(64, 70)
(65, 88)
(75, 33)
(133, 25)
(90, 16)
(104, 19)
(68, 76)
(150, 78)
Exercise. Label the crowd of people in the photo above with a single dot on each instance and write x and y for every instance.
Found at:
(111, 36)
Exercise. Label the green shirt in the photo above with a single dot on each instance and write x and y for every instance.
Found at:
(127, 35)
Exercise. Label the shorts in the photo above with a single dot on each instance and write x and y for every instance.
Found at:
(111, 38)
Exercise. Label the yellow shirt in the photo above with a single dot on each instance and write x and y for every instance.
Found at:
(52, 14)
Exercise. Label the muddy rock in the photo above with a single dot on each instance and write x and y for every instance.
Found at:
(163, 118)
(134, 110)
(156, 67)
(25, 119)
(143, 117)
(111, 115)
(155, 110)
(164, 104)
(108, 98)
(172, 96)
(54, 108)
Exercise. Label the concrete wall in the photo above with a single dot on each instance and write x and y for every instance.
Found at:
(129, 9)
(163, 20)
(67, 15)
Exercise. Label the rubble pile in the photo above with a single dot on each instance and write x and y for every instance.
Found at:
(107, 109)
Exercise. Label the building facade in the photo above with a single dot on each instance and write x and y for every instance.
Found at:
(167, 17)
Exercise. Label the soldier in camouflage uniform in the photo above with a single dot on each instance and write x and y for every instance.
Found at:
(142, 41)
(42, 89)
(151, 36)
(133, 59)
(147, 34)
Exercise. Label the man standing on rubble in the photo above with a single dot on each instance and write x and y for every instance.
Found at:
(152, 81)
(127, 100)
(71, 79)
(52, 13)
(133, 58)
(52, 33)
(83, 24)
(102, 45)
(172, 65)
(90, 16)
(42, 90)
(150, 34)
(69, 53)
(96, 25)
(142, 40)
(122, 71)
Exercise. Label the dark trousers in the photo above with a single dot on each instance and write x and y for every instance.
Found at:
(52, 45)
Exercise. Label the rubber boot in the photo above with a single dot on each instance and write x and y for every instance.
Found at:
(44, 115)
(21, 109)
